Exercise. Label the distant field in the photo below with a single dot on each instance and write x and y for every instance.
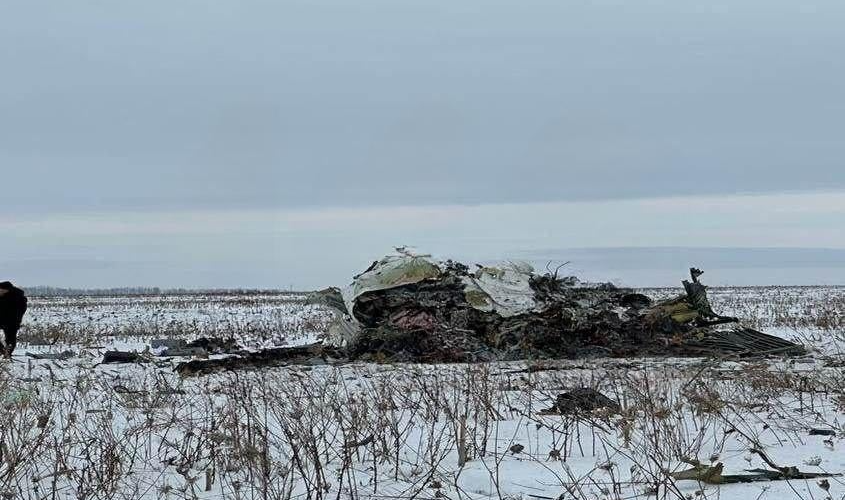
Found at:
(254, 319)
(78, 429)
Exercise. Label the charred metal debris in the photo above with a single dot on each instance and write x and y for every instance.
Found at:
(413, 308)
(409, 307)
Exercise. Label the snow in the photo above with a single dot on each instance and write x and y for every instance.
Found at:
(141, 431)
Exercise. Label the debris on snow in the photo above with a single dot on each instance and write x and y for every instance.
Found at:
(582, 400)
(712, 474)
(64, 355)
(277, 356)
(215, 345)
(201, 347)
(409, 307)
(123, 357)
(822, 432)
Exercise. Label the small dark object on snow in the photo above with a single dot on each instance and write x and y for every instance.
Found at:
(174, 348)
(825, 485)
(357, 444)
(712, 474)
(51, 355)
(167, 343)
(582, 400)
(184, 352)
(122, 357)
(635, 300)
(822, 432)
(201, 347)
(277, 356)
(215, 345)
(517, 449)
(122, 389)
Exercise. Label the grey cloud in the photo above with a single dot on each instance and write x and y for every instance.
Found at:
(281, 104)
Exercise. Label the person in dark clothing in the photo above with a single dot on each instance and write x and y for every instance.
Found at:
(12, 308)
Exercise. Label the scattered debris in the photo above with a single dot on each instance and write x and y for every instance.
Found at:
(277, 356)
(52, 355)
(822, 432)
(215, 345)
(409, 307)
(184, 352)
(742, 342)
(582, 400)
(123, 357)
(712, 474)
(167, 344)
(201, 347)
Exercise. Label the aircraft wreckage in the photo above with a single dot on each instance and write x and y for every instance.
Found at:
(408, 307)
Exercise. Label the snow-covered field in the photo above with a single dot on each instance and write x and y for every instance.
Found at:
(254, 320)
(78, 429)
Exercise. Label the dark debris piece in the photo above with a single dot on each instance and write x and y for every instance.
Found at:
(743, 342)
(215, 345)
(202, 346)
(122, 357)
(582, 400)
(52, 355)
(822, 432)
(277, 356)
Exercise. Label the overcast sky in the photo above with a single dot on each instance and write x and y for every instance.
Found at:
(194, 143)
